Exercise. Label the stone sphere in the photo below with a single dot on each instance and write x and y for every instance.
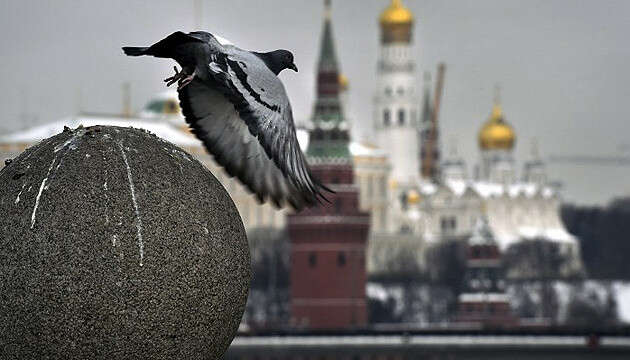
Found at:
(115, 244)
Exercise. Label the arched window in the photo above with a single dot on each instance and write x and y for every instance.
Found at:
(401, 117)
(312, 259)
(386, 117)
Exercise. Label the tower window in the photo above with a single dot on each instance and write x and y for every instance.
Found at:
(401, 117)
(388, 91)
(341, 259)
(401, 91)
(448, 224)
(386, 117)
(312, 259)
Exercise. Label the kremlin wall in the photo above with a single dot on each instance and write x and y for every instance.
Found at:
(400, 206)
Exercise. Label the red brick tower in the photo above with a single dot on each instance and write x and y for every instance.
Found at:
(328, 242)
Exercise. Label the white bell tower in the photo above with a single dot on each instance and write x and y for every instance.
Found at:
(396, 102)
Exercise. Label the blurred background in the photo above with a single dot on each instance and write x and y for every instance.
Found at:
(479, 152)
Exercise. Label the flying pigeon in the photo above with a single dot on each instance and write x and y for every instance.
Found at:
(234, 102)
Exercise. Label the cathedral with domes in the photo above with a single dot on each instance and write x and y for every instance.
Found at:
(413, 209)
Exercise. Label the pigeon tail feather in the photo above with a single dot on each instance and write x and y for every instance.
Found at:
(134, 51)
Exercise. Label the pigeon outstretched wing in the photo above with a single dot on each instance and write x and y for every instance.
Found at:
(235, 103)
(254, 142)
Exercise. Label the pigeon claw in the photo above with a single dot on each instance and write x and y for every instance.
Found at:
(179, 75)
(185, 81)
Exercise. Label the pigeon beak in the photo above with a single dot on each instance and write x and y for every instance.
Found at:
(293, 67)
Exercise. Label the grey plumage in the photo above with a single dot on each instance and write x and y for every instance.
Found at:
(235, 103)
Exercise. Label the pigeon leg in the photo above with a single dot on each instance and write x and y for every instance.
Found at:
(179, 75)
(185, 81)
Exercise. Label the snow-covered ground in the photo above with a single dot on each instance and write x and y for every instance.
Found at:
(594, 292)
(622, 296)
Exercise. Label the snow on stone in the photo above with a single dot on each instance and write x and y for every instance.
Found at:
(71, 142)
(135, 204)
(17, 199)
(39, 194)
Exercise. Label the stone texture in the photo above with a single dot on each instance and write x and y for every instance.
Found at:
(115, 244)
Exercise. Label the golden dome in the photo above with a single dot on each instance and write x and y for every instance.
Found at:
(396, 14)
(413, 197)
(496, 133)
(343, 82)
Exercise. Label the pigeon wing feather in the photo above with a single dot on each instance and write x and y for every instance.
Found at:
(262, 102)
(227, 137)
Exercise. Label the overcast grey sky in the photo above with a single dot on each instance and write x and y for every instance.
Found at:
(562, 65)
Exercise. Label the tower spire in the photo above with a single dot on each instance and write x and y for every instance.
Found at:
(330, 135)
(327, 55)
(497, 111)
(497, 94)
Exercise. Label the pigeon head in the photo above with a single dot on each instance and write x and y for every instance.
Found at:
(278, 60)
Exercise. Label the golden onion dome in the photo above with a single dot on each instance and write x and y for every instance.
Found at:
(396, 23)
(496, 134)
(396, 14)
(413, 197)
(343, 82)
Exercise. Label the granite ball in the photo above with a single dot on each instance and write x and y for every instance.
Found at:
(116, 244)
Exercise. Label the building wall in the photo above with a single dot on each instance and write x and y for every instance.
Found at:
(371, 176)
(328, 245)
(445, 214)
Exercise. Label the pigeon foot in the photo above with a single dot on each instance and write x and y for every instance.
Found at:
(185, 81)
(178, 77)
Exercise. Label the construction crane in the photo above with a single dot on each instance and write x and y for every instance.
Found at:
(429, 169)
